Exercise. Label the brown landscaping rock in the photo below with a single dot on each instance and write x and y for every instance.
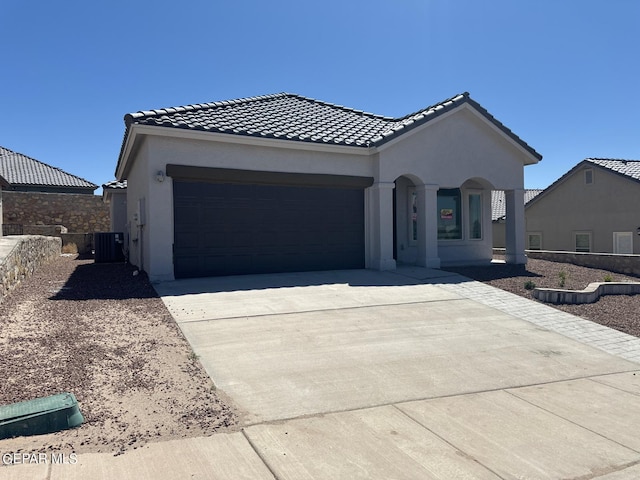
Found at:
(100, 332)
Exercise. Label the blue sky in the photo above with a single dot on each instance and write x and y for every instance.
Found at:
(563, 75)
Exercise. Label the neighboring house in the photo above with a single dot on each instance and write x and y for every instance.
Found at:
(287, 183)
(114, 194)
(499, 213)
(38, 197)
(592, 208)
(26, 174)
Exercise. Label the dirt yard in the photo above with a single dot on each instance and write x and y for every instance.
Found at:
(621, 312)
(101, 333)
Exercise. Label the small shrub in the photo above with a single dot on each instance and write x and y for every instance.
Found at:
(529, 285)
(563, 278)
(70, 248)
(608, 278)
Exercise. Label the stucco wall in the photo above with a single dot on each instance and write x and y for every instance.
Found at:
(20, 256)
(608, 205)
(77, 212)
(454, 149)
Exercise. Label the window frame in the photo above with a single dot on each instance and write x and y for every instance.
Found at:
(412, 225)
(588, 176)
(457, 213)
(534, 234)
(575, 241)
(469, 194)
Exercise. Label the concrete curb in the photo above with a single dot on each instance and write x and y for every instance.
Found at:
(590, 294)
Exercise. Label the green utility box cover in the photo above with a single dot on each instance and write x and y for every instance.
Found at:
(40, 415)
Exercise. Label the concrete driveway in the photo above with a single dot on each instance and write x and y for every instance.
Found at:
(363, 374)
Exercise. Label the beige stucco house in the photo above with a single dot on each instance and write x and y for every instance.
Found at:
(592, 208)
(288, 183)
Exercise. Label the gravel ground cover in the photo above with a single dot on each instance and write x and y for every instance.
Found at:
(101, 333)
(621, 312)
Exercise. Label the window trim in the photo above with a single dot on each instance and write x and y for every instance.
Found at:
(534, 234)
(412, 201)
(460, 224)
(469, 194)
(575, 241)
(588, 176)
(615, 243)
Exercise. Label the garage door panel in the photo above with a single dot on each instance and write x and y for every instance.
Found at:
(230, 229)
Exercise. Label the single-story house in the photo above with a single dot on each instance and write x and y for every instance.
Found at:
(26, 174)
(42, 199)
(283, 182)
(499, 213)
(3, 184)
(591, 208)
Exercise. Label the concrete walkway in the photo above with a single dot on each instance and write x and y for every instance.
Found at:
(413, 374)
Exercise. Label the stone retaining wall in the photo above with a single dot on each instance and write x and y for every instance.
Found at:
(20, 256)
(627, 264)
(77, 212)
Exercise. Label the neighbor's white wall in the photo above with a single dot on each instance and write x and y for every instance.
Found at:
(118, 210)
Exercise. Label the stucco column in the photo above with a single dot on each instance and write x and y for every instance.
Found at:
(427, 199)
(515, 226)
(380, 226)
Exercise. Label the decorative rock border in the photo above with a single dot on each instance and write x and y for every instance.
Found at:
(590, 294)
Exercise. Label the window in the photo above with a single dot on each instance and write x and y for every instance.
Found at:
(534, 241)
(413, 215)
(583, 241)
(588, 176)
(623, 243)
(475, 216)
(449, 215)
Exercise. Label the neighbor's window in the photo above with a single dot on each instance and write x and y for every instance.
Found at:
(583, 241)
(413, 215)
(475, 216)
(534, 241)
(449, 215)
(588, 176)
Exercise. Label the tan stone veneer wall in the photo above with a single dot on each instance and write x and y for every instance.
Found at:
(627, 264)
(78, 213)
(20, 256)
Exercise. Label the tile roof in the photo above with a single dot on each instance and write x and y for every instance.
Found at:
(628, 168)
(115, 185)
(498, 201)
(294, 117)
(19, 169)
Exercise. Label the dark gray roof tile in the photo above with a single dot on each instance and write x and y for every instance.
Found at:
(19, 169)
(299, 118)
